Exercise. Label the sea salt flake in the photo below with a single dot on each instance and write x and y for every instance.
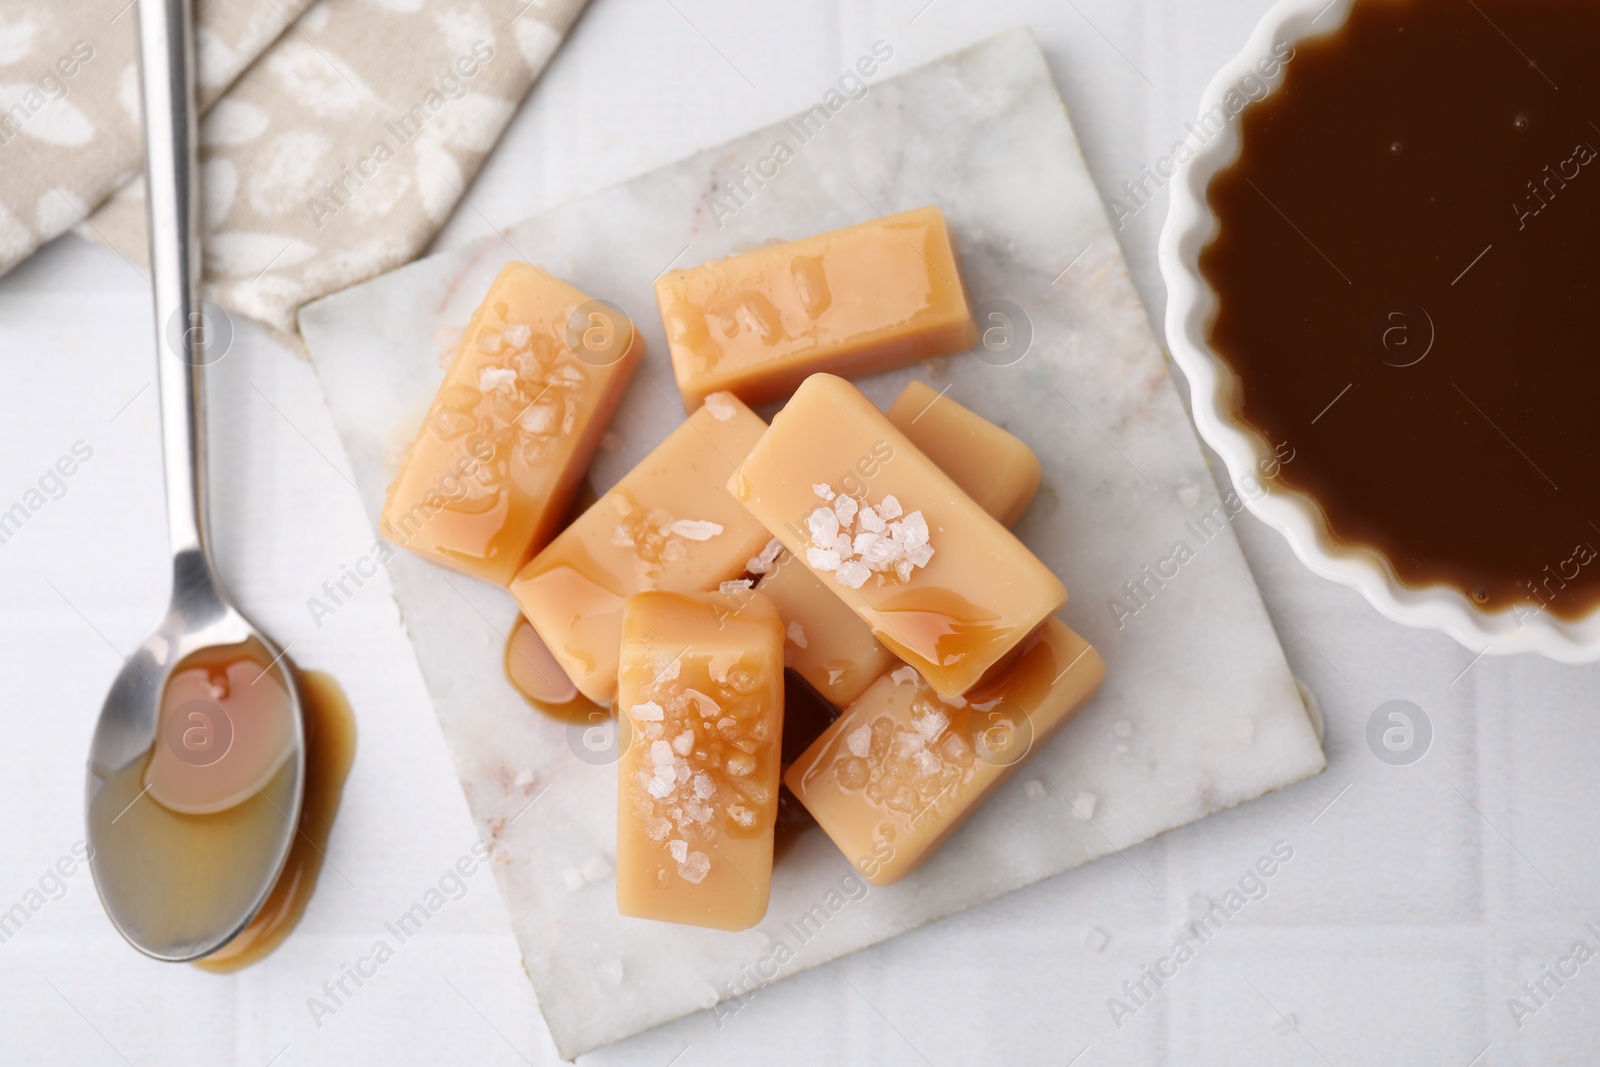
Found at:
(824, 491)
(797, 634)
(733, 588)
(845, 508)
(919, 556)
(870, 519)
(823, 525)
(683, 744)
(906, 675)
(742, 815)
(517, 334)
(596, 868)
(1033, 789)
(659, 789)
(696, 529)
(859, 741)
(492, 378)
(695, 868)
(622, 537)
(679, 849)
(823, 559)
(660, 753)
(541, 418)
(927, 763)
(915, 528)
(908, 742)
(931, 724)
(704, 787)
(890, 508)
(721, 406)
(853, 573)
(657, 828)
(1083, 805)
(649, 711)
(573, 879)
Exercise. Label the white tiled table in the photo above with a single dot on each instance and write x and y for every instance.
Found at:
(1415, 903)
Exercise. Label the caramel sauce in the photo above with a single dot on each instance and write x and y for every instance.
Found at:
(183, 824)
(1406, 282)
(939, 625)
(330, 728)
(534, 672)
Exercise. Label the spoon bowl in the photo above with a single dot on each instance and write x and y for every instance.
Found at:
(169, 886)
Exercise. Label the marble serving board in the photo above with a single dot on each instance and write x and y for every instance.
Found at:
(1199, 711)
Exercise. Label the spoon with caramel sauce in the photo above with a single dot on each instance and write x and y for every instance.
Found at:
(198, 765)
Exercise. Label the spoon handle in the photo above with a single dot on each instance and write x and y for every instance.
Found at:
(166, 52)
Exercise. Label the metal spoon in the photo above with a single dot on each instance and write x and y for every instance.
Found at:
(200, 616)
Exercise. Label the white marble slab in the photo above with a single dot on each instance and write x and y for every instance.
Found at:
(1199, 711)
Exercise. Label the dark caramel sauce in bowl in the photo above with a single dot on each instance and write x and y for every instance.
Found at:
(1403, 279)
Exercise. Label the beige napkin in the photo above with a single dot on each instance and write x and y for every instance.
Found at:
(69, 101)
(333, 156)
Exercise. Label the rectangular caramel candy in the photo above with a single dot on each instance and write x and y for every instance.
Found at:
(669, 524)
(538, 374)
(701, 689)
(903, 767)
(995, 468)
(940, 582)
(829, 645)
(856, 301)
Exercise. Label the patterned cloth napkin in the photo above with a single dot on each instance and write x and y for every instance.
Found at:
(338, 136)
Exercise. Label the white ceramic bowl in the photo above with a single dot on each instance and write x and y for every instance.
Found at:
(1191, 304)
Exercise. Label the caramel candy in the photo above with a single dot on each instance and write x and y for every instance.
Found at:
(829, 646)
(538, 375)
(902, 768)
(670, 524)
(995, 468)
(701, 685)
(942, 584)
(856, 301)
